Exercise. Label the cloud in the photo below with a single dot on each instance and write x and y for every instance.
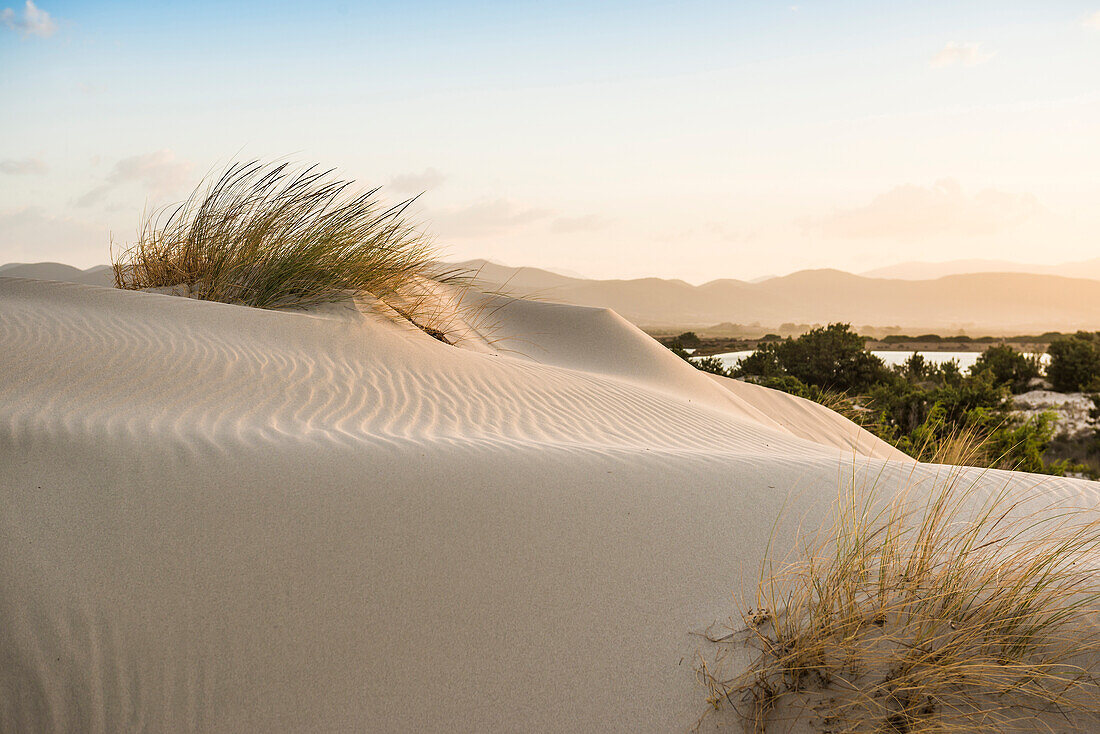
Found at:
(34, 22)
(583, 223)
(486, 218)
(22, 166)
(159, 172)
(415, 183)
(718, 231)
(30, 235)
(1092, 20)
(957, 52)
(90, 89)
(708, 233)
(912, 212)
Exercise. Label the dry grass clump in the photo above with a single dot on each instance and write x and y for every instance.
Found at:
(273, 236)
(956, 611)
(962, 446)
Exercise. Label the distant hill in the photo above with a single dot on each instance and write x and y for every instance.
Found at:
(990, 303)
(928, 271)
(528, 280)
(987, 302)
(99, 275)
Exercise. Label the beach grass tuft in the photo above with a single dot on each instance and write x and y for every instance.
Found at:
(277, 236)
(962, 608)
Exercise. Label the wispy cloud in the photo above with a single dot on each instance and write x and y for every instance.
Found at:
(958, 52)
(708, 232)
(1092, 20)
(160, 172)
(90, 89)
(33, 22)
(23, 166)
(583, 223)
(486, 218)
(912, 212)
(415, 183)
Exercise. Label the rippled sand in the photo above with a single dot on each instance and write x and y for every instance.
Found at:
(227, 519)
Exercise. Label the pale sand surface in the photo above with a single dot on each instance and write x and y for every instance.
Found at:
(226, 519)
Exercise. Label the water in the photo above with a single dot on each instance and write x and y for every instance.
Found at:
(891, 358)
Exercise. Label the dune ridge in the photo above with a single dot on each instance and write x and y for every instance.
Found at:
(221, 518)
(340, 378)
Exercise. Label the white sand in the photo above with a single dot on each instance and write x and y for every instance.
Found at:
(226, 519)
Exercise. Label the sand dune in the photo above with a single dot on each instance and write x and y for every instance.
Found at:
(226, 519)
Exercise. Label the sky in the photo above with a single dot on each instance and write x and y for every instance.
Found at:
(692, 140)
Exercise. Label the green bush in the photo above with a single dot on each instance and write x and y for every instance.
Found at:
(712, 365)
(763, 362)
(791, 386)
(831, 357)
(688, 339)
(1074, 363)
(916, 367)
(1008, 367)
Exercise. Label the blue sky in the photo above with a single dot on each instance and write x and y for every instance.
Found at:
(691, 140)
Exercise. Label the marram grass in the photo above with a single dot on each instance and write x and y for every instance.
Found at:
(275, 236)
(953, 610)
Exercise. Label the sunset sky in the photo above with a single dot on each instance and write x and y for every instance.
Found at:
(681, 140)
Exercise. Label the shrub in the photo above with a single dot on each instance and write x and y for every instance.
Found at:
(763, 362)
(831, 358)
(952, 611)
(790, 385)
(688, 339)
(1079, 453)
(1074, 363)
(916, 367)
(1020, 445)
(271, 236)
(713, 365)
(1008, 367)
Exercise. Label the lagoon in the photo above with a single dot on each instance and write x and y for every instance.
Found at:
(891, 357)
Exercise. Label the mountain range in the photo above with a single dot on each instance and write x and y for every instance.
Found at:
(992, 302)
(986, 303)
(929, 271)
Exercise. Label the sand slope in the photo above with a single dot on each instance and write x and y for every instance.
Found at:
(225, 519)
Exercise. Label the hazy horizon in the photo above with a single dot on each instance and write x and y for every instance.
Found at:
(909, 270)
(691, 142)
